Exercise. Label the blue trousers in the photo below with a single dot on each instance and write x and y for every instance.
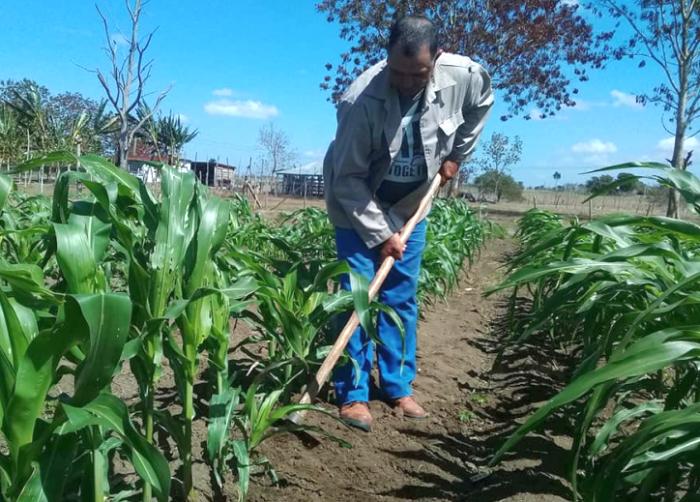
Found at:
(399, 292)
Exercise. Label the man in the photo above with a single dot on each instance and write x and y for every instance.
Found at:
(403, 121)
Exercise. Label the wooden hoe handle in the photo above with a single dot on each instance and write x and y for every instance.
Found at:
(344, 337)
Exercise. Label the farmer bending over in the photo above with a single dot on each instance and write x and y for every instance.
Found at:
(403, 121)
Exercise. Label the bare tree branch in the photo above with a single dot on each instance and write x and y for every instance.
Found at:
(150, 112)
(647, 42)
(108, 90)
(128, 76)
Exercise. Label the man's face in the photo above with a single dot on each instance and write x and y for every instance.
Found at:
(410, 75)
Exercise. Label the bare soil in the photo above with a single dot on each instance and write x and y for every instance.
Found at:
(476, 390)
(476, 395)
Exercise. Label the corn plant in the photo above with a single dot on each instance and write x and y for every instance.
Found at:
(259, 417)
(294, 313)
(454, 236)
(625, 290)
(535, 225)
(188, 261)
(153, 238)
(196, 322)
(40, 330)
(24, 224)
(309, 233)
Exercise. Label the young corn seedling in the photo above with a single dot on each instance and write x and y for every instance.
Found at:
(260, 417)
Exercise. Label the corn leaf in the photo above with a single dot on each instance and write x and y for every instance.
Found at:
(651, 353)
(107, 318)
(75, 258)
(5, 189)
(110, 413)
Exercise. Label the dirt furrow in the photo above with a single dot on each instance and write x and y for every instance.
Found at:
(474, 399)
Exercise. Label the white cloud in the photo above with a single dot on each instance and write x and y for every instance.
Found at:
(666, 145)
(594, 147)
(119, 39)
(247, 109)
(223, 92)
(581, 106)
(535, 114)
(183, 118)
(623, 99)
(316, 153)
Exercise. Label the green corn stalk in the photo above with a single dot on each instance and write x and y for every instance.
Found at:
(624, 288)
(36, 464)
(153, 238)
(295, 313)
(262, 417)
(197, 320)
(454, 236)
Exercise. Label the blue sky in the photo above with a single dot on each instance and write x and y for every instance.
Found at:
(235, 66)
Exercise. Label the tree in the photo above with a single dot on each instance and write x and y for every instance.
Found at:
(128, 76)
(276, 147)
(497, 155)
(10, 88)
(165, 136)
(172, 136)
(524, 45)
(557, 177)
(629, 183)
(597, 183)
(10, 136)
(63, 121)
(30, 104)
(666, 33)
(65, 107)
(502, 185)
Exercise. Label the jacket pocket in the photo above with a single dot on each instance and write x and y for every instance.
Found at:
(450, 125)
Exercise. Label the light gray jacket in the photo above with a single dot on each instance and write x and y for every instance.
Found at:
(457, 102)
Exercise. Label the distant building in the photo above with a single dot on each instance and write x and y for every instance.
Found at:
(306, 180)
(213, 173)
(143, 167)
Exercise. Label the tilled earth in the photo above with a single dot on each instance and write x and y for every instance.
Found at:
(475, 396)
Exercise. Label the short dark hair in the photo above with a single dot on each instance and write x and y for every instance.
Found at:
(410, 33)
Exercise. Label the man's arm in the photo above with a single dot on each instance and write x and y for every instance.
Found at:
(351, 158)
(475, 110)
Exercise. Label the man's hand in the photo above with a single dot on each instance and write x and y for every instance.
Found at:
(392, 247)
(448, 170)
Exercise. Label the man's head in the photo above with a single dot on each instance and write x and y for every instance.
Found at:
(412, 51)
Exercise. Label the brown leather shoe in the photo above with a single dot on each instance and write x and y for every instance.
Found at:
(356, 414)
(410, 408)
